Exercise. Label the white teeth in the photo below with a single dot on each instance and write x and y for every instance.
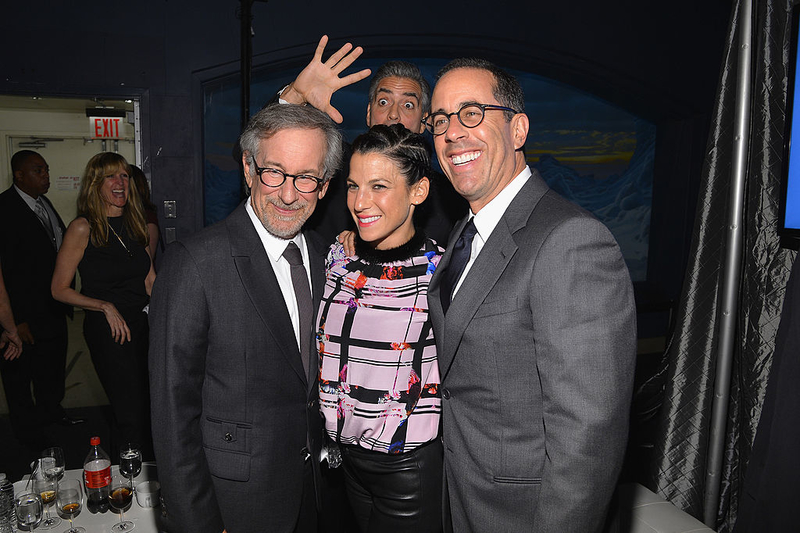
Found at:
(367, 220)
(465, 158)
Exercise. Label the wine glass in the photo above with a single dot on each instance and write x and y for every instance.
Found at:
(28, 507)
(45, 487)
(130, 461)
(69, 502)
(120, 500)
(53, 462)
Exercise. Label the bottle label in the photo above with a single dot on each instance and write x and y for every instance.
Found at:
(97, 474)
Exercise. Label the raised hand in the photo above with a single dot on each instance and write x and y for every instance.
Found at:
(319, 80)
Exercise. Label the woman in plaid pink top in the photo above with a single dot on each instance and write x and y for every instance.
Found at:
(379, 378)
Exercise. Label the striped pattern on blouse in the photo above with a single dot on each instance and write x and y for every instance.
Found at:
(379, 378)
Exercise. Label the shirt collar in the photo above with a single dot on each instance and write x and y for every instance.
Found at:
(488, 217)
(274, 246)
(30, 200)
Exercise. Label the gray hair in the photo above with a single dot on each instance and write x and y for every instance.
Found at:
(402, 69)
(507, 89)
(277, 117)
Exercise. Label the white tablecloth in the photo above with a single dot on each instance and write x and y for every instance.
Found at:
(145, 520)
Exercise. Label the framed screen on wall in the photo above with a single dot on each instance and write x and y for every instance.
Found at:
(789, 217)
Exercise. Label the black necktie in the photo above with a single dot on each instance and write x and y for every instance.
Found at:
(458, 261)
(302, 292)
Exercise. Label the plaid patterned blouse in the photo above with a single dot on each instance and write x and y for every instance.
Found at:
(379, 379)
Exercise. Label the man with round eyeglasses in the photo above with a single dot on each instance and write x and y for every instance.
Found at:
(236, 425)
(533, 314)
(470, 116)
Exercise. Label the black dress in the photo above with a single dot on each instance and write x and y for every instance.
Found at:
(116, 273)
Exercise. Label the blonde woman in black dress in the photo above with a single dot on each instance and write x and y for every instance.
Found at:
(107, 245)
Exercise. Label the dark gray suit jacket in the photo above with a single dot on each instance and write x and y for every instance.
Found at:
(536, 353)
(232, 407)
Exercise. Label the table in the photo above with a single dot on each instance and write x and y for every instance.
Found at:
(145, 520)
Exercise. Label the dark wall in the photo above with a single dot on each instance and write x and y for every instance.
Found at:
(658, 60)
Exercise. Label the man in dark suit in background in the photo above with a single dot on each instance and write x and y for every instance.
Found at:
(30, 236)
(534, 318)
(233, 365)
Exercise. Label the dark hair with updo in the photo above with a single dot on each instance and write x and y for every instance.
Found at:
(409, 151)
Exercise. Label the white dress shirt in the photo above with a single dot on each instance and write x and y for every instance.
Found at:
(488, 217)
(275, 246)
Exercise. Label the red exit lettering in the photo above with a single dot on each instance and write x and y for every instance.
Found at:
(106, 128)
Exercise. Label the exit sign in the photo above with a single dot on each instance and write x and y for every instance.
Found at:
(105, 127)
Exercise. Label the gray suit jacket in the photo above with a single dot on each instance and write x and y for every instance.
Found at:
(536, 353)
(232, 407)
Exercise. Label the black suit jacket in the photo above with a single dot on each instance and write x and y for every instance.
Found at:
(232, 408)
(28, 258)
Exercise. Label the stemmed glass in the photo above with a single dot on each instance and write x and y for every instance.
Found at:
(69, 502)
(53, 462)
(28, 507)
(45, 486)
(130, 461)
(120, 501)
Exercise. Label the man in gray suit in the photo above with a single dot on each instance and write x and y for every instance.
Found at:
(236, 424)
(534, 317)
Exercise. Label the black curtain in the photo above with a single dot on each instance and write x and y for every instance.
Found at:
(678, 467)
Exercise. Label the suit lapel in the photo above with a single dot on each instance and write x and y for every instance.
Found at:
(487, 269)
(261, 285)
(483, 275)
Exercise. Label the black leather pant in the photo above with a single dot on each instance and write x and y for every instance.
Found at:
(395, 493)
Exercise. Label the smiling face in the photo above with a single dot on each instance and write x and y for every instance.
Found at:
(397, 101)
(479, 161)
(381, 201)
(114, 191)
(283, 210)
(33, 176)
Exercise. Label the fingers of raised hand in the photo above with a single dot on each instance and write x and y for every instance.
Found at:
(340, 59)
(320, 48)
(354, 77)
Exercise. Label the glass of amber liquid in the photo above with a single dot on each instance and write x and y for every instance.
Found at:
(69, 502)
(45, 486)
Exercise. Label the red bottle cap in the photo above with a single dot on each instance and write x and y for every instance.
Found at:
(95, 441)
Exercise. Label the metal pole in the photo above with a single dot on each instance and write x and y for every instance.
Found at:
(732, 269)
(246, 30)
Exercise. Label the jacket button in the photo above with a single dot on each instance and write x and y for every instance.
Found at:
(311, 404)
(228, 437)
(446, 394)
